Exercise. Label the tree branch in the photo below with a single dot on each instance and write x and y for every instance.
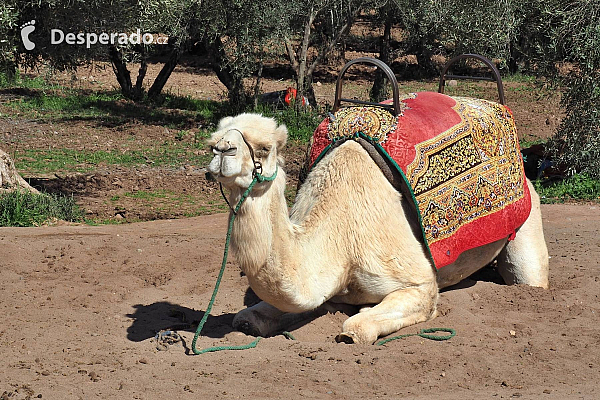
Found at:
(291, 54)
(343, 30)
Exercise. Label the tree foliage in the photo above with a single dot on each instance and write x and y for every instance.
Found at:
(9, 16)
(315, 29)
(239, 35)
(576, 41)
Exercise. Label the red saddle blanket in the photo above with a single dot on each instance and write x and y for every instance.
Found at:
(460, 158)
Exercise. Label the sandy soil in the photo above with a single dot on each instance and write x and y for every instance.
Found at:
(81, 305)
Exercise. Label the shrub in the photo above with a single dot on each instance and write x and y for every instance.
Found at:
(23, 208)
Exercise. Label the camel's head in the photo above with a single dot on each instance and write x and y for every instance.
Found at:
(237, 140)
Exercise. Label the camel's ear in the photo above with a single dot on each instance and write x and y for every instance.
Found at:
(224, 122)
(281, 134)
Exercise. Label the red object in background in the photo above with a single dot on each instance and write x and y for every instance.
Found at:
(293, 94)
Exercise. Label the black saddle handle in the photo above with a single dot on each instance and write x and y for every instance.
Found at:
(495, 74)
(394, 108)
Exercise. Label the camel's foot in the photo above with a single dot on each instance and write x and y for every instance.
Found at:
(265, 320)
(398, 309)
(353, 338)
(261, 319)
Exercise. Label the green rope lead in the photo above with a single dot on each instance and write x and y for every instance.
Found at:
(424, 333)
(257, 178)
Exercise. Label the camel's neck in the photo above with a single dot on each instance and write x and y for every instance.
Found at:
(262, 228)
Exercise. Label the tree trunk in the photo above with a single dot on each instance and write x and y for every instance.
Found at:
(9, 68)
(299, 60)
(238, 98)
(379, 90)
(121, 72)
(257, 85)
(9, 177)
(165, 73)
(139, 82)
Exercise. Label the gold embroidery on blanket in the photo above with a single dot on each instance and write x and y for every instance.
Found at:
(470, 171)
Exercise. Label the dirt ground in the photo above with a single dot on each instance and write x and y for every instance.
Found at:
(81, 305)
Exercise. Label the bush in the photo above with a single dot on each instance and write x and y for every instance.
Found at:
(580, 187)
(576, 144)
(23, 208)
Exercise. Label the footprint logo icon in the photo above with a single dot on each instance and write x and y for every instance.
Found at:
(26, 30)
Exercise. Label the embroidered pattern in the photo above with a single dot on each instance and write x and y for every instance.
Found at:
(374, 122)
(470, 171)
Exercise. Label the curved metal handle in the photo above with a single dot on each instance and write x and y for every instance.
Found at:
(394, 108)
(496, 74)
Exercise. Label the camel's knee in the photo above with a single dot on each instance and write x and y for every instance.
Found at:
(525, 259)
(401, 308)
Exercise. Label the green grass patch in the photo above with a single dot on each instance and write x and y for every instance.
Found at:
(209, 110)
(25, 82)
(520, 77)
(66, 105)
(527, 142)
(146, 195)
(111, 108)
(576, 187)
(300, 124)
(53, 160)
(23, 208)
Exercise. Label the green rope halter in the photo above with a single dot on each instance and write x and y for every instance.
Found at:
(258, 178)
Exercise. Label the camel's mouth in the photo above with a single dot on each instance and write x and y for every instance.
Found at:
(232, 151)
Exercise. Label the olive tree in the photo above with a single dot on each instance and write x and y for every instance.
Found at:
(316, 27)
(576, 41)
(9, 16)
(239, 36)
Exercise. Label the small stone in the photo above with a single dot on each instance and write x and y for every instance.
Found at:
(94, 376)
(45, 373)
(443, 374)
(452, 82)
(512, 333)
(143, 361)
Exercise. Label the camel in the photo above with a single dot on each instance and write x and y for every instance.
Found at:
(350, 238)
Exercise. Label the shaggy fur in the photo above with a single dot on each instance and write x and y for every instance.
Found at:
(350, 238)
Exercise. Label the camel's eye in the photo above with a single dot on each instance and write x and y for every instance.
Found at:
(262, 152)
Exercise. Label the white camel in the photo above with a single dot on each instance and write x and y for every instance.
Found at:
(350, 238)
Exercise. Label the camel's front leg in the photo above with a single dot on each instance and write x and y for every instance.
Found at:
(398, 309)
(265, 320)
